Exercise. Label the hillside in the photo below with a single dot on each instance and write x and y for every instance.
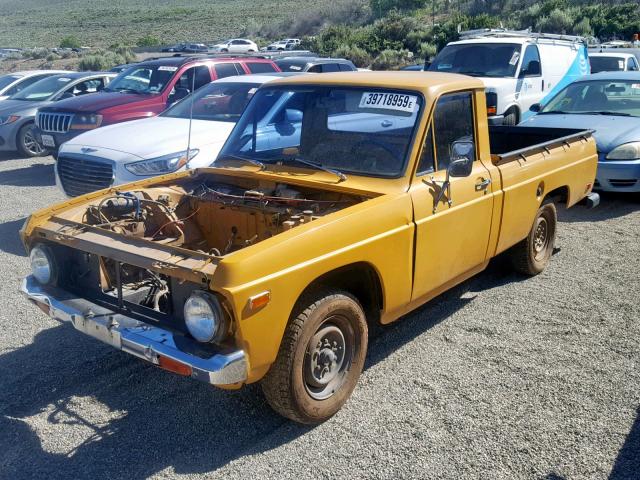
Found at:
(43, 23)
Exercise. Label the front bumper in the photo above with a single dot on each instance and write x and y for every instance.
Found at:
(617, 175)
(124, 333)
(58, 138)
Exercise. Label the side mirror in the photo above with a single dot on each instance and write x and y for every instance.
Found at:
(460, 167)
(292, 115)
(536, 107)
(178, 94)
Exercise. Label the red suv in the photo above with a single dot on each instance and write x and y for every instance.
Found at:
(143, 90)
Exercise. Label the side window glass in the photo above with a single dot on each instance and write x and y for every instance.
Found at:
(315, 69)
(225, 70)
(344, 67)
(203, 76)
(330, 67)
(531, 62)
(426, 163)
(453, 122)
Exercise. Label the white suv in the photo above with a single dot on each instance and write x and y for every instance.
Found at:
(236, 45)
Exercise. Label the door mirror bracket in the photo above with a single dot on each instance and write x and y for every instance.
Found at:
(460, 167)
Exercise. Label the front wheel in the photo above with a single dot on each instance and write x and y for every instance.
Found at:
(320, 359)
(26, 142)
(532, 255)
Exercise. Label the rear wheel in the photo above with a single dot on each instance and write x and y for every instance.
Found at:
(532, 255)
(26, 142)
(511, 118)
(320, 359)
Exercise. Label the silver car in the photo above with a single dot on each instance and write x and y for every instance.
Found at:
(12, 83)
(17, 113)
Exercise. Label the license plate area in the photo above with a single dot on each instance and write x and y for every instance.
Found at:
(48, 141)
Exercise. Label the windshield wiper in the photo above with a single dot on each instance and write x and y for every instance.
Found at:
(557, 112)
(606, 112)
(257, 163)
(318, 166)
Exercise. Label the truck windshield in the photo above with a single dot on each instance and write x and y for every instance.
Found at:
(142, 79)
(597, 97)
(606, 64)
(365, 131)
(478, 59)
(42, 89)
(220, 102)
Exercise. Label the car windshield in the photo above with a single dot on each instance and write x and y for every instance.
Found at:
(598, 97)
(478, 59)
(142, 79)
(290, 66)
(365, 131)
(6, 80)
(42, 89)
(220, 102)
(606, 64)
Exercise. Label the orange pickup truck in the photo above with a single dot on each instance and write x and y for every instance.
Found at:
(371, 194)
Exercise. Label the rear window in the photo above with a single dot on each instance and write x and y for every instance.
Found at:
(261, 67)
(606, 64)
(225, 70)
(6, 80)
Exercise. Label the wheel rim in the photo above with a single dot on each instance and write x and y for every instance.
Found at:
(541, 238)
(30, 143)
(328, 358)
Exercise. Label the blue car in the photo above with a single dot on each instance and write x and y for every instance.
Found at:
(609, 103)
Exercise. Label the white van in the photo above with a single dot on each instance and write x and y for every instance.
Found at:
(519, 68)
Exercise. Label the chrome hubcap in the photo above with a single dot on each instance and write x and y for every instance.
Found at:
(327, 360)
(31, 144)
(541, 237)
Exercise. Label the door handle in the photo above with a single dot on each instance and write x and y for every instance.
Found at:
(483, 184)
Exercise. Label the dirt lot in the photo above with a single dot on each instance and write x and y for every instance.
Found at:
(503, 377)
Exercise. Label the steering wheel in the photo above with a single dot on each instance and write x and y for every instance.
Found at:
(378, 157)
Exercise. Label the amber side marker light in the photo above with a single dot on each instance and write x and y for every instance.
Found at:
(492, 110)
(174, 366)
(259, 300)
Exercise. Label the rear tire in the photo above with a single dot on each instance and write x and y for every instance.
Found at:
(26, 142)
(320, 359)
(532, 255)
(510, 118)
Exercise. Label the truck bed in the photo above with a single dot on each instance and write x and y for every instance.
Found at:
(509, 142)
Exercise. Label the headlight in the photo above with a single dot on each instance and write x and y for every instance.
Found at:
(86, 121)
(42, 264)
(627, 151)
(165, 164)
(204, 317)
(7, 119)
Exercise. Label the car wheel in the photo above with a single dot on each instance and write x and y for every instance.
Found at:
(532, 255)
(510, 118)
(26, 142)
(225, 50)
(320, 359)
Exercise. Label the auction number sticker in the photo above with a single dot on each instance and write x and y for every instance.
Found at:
(166, 68)
(389, 101)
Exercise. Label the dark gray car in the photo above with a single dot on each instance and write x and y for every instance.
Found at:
(17, 113)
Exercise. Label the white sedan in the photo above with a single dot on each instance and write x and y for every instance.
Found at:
(236, 45)
(130, 151)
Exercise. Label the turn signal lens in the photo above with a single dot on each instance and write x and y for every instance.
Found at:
(259, 300)
(174, 366)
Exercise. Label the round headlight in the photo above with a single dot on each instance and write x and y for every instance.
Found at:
(204, 317)
(42, 264)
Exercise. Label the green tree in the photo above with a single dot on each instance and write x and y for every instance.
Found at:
(381, 7)
(70, 41)
(148, 41)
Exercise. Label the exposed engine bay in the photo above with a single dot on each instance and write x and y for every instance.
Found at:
(216, 215)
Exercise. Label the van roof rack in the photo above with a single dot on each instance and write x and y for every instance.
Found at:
(504, 33)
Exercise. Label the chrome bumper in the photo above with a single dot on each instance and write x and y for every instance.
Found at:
(132, 336)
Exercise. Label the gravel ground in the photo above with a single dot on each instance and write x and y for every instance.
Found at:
(502, 377)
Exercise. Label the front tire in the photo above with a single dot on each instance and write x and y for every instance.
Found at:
(26, 142)
(532, 255)
(320, 359)
(511, 118)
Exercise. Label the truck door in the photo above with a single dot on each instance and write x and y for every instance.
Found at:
(530, 80)
(451, 239)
